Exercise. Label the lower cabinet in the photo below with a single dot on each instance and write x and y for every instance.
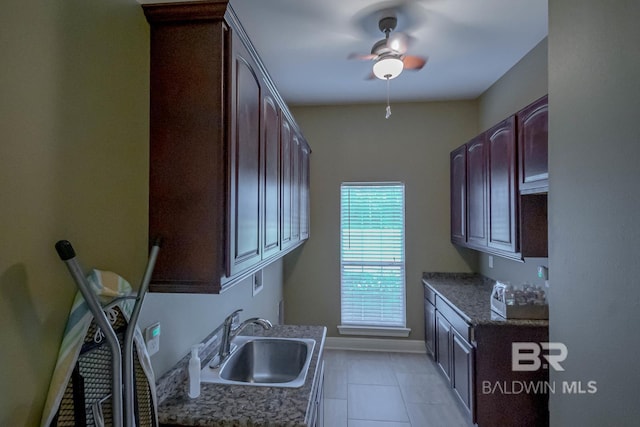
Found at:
(316, 418)
(454, 356)
(481, 375)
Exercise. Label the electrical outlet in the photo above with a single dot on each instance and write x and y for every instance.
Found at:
(257, 283)
(490, 261)
(543, 272)
(152, 338)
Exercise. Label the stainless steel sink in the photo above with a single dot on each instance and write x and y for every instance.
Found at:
(264, 361)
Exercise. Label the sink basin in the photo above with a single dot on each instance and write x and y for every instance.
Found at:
(264, 361)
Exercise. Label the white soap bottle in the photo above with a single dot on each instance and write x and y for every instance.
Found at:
(194, 372)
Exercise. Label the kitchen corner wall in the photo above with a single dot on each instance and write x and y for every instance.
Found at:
(523, 83)
(356, 143)
(594, 135)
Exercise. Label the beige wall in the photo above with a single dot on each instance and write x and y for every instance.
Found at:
(594, 135)
(356, 143)
(74, 165)
(523, 83)
(186, 319)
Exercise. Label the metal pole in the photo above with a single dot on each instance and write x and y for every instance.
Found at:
(68, 255)
(128, 374)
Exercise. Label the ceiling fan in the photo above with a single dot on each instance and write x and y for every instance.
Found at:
(389, 54)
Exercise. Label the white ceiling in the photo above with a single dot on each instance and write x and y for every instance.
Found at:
(470, 44)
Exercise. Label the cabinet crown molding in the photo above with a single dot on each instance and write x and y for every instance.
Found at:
(209, 10)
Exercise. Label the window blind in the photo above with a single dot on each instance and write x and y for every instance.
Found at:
(372, 254)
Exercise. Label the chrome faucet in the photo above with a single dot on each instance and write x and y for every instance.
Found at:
(229, 333)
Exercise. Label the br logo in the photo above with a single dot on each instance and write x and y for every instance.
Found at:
(529, 356)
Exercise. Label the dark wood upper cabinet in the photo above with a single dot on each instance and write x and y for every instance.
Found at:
(458, 178)
(219, 167)
(477, 192)
(188, 157)
(501, 176)
(533, 147)
(505, 181)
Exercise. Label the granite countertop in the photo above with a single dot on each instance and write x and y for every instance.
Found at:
(469, 294)
(238, 405)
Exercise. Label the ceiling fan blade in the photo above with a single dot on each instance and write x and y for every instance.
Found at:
(371, 76)
(413, 62)
(361, 57)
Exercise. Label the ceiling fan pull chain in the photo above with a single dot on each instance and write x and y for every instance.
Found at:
(388, 114)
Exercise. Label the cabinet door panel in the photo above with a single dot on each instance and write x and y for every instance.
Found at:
(458, 162)
(502, 181)
(296, 156)
(443, 346)
(533, 146)
(477, 192)
(430, 327)
(271, 177)
(462, 377)
(245, 246)
(286, 182)
(304, 192)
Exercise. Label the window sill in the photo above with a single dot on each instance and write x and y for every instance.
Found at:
(377, 331)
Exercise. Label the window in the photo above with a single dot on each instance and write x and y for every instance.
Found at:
(372, 259)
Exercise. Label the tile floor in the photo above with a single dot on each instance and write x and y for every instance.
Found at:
(376, 389)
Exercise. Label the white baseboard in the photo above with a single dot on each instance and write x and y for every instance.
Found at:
(374, 344)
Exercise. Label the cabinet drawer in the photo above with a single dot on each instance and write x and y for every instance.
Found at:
(457, 322)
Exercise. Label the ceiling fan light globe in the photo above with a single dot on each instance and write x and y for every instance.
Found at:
(388, 68)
